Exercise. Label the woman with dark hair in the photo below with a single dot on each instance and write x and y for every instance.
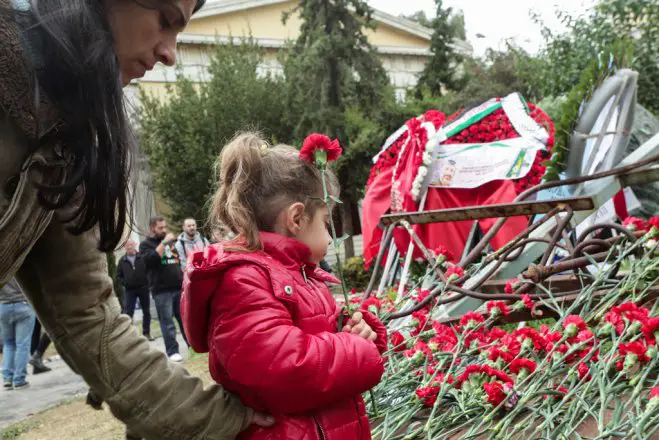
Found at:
(65, 150)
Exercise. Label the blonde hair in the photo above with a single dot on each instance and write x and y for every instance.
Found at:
(256, 182)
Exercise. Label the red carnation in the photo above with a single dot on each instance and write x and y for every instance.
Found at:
(428, 395)
(573, 324)
(496, 308)
(496, 334)
(442, 250)
(523, 364)
(495, 393)
(528, 302)
(654, 393)
(653, 222)
(584, 371)
(315, 143)
(636, 348)
(561, 390)
(511, 285)
(498, 352)
(371, 302)
(650, 329)
(634, 224)
(398, 341)
(471, 317)
(454, 272)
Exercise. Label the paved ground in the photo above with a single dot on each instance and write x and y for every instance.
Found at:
(50, 389)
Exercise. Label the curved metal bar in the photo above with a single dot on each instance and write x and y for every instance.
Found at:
(384, 244)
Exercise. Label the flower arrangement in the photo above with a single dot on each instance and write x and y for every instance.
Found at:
(592, 370)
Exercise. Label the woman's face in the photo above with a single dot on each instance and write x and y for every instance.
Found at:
(145, 33)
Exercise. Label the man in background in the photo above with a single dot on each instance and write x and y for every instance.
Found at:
(131, 273)
(165, 278)
(17, 323)
(189, 241)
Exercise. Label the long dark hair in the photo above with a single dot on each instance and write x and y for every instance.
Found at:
(78, 72)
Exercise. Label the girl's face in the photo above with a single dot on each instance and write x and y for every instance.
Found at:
(313, 232)
(145, 31)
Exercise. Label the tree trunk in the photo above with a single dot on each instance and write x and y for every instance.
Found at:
(349, 244)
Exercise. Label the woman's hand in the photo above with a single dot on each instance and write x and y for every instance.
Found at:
(258, 419)
(357, 326)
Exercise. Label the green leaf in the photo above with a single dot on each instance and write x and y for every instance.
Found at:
(339, 240)
(336, 200)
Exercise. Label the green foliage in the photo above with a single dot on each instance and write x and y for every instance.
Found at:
(184, 136)
(494, 75)
(565, 56)
(355, 275)
(591, 78)
(439, 71)
(336, 85)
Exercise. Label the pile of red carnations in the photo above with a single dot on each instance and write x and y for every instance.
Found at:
(493, 127)
(593, 372)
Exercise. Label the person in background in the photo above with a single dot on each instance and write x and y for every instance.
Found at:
(165, 278)
(38, 347)
(189, 241)
(131, 273)
(17, 323)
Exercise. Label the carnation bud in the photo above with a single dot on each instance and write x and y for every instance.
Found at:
(630, 361)
(571, 330)
(634, 327)
(418, 358)
(527, 344)
(519, 306)
(415, 323)
(652, 352)
(495, 311)
(606, 330)
(452, 277)
(523, 374)
(556, 356)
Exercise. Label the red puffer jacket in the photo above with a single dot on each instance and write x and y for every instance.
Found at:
(270, 324)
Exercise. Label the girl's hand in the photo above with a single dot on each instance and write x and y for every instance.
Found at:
(357, 326)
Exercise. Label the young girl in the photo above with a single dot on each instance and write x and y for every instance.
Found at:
(259, 303)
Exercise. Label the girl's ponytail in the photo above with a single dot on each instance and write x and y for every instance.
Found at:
(239, 167)
(255, 182)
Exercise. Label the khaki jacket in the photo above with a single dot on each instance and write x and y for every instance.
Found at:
(65, 278)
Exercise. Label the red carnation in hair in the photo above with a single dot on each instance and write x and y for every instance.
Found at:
(319, 142)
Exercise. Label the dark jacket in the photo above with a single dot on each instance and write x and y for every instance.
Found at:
(163, 273)
(132, 277)
(11, 293)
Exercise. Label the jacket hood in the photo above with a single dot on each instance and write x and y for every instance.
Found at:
(204, 273)
(18, 87)
(183, 236)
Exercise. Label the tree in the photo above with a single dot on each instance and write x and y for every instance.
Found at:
(566, 55)
(331, 69)
(183, 136)
(438, 73)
